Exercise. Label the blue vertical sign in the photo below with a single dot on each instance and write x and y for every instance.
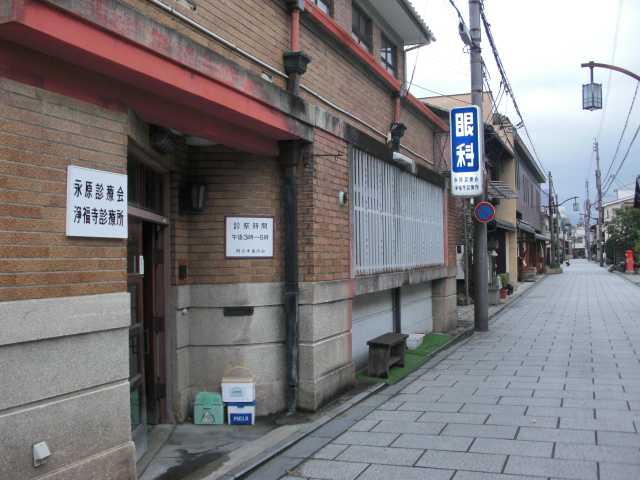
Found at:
(465, 129)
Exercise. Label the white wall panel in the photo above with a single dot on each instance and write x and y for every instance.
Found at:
(415, 310)
(372, 316)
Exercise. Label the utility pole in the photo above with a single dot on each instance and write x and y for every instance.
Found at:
(554, 249)
(481, 306)
(556, 226)
(600, 219)
(587, 218)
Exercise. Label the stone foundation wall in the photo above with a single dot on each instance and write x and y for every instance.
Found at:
(64, 377)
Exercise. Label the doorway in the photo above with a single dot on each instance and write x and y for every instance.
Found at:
(146, 284)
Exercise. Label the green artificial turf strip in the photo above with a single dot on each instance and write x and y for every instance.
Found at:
(430, 343)
(413, 359)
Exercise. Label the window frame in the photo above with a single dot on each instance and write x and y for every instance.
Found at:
(324, 4)
(385, 45)
(364, 39)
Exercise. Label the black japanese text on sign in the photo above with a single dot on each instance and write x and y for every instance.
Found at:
(96, 203)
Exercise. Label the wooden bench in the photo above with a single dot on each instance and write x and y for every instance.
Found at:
(385, 352)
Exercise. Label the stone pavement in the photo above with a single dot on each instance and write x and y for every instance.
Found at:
(552, 391)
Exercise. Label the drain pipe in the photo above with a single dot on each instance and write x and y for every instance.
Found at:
(295, 60)
(295, 65)
(289, 154)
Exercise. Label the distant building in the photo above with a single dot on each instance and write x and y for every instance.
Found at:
(579, 246)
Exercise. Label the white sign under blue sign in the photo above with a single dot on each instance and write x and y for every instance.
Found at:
(465, 127)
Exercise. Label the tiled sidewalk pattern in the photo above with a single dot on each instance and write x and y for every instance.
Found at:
(552, 391)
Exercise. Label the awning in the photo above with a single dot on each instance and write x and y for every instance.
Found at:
(504, 225)
(545, 238)
(403, 19)
(499, 189)
(525, 227)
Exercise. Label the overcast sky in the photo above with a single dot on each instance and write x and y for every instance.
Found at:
(542, 44)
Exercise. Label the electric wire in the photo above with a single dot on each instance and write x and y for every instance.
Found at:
(460, 17)
(440, 94)
(613, 58)
(608, 180)
(507, 84)
(635, 136)
(412, 73)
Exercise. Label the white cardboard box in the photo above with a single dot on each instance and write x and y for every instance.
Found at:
(241, 414)
(238, 392)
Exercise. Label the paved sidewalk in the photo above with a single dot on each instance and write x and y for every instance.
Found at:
(552, 391)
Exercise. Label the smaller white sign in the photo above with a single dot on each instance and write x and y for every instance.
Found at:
(96, 203)
(249, 237)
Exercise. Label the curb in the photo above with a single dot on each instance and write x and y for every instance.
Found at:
(260, 459)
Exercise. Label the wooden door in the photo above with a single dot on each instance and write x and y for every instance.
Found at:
(135, 287)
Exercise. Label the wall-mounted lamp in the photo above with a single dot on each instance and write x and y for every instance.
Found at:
(193, 198)
(162, 139)
(396, 132)
(342, 198)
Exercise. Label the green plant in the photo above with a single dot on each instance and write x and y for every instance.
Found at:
(624, 231)
(504, 278)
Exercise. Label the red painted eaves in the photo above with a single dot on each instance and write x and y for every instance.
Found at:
(345, 39)
(427, 112)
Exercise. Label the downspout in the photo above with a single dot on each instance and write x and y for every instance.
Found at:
(290, 153)
(295, 65)
(295, 60)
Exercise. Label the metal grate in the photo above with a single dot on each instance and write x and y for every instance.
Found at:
(397, 217)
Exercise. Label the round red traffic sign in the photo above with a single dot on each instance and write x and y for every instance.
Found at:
(484, 212)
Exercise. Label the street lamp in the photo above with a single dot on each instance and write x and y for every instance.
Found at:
(592, 94)
(592, 100)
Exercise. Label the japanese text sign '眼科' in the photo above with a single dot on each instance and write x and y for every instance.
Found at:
(466, 151)
(249, 237)
(96, 203)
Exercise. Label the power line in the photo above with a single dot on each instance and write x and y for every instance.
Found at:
(624, 130)
(613, 58)
(635, 135)
(460, 17)
(507, 84)
(440, 94)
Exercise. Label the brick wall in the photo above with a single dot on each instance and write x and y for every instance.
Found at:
(40, 134)
(261, 27)
(325, 235)
(238, 184)
(333, 74)
(419, 137)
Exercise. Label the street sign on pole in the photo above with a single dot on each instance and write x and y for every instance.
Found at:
(465, 127)
(484, 212)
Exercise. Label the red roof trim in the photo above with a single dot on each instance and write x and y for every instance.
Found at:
(367, 58)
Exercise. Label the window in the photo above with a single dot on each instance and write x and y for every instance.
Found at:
(388, 56)
(145, 188)
(398, 220)
(361, 27)
(324, 5)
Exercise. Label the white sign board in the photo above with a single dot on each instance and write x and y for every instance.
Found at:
(96, 203)
(466, 130)
(249, 237)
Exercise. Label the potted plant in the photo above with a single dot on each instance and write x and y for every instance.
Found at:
(504, 282)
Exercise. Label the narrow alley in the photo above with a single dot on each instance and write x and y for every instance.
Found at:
(551, 391)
